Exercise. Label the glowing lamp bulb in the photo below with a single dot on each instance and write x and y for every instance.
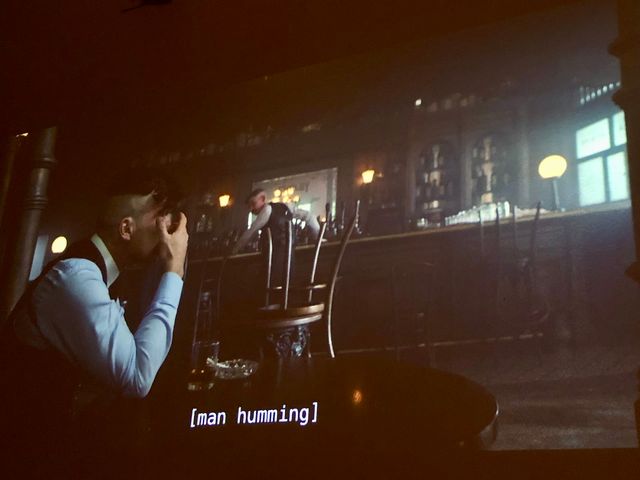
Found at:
(224, 200)
(418, 102)
(367, 176)
(59, 245)
(552, 166)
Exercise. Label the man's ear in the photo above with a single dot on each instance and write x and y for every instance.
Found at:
(126, 228)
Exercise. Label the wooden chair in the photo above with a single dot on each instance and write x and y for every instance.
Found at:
(308, 288)
(333, 278)
(283, 317)
(283, 325)
(474, 280)
(501, 287)
(519, 302)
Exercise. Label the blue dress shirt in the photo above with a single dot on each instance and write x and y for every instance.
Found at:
(76, 316)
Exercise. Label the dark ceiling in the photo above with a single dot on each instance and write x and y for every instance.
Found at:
(84, 64)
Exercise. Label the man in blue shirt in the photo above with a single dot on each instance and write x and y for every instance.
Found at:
(70, 344)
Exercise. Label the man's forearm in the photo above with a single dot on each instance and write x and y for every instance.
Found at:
(260, 221)
(311, 223)
(242, 241)
(154, 335)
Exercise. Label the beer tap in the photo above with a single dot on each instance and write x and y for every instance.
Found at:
(340, 226)
(328, 220)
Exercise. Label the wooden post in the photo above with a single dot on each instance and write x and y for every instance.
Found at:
(10, 148)
(627, 48)
(19, 260)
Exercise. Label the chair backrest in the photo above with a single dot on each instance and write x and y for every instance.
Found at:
(316, 255)
(287, 270)
(530, 254)
(484, 254)
(267, 300)
(488, 271)
(514, 233)
(534, 233)
(498, 252)
(289, 250)
(481, 231)
(517, 290)
(531, 260)
(331, 287)
(287, 266)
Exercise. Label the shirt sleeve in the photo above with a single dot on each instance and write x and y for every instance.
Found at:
(261, 220)
(77, 316)
(310, 221)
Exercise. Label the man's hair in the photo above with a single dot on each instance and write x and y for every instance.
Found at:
(255, 193)
(131, 189)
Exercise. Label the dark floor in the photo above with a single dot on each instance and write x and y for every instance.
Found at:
(555, 399)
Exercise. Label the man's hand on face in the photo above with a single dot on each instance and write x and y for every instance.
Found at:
(172, 248)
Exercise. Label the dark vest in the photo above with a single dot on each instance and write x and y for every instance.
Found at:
(280, 214)
(35, 379)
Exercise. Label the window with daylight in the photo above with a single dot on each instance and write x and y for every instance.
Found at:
(602, 161)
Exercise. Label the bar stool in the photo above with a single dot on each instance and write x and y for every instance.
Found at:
(474, 277)
(412, 288)
(288, 325)
(520, 304)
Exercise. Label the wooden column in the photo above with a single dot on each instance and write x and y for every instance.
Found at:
(627, 48)
(20, 258)
(10, 148)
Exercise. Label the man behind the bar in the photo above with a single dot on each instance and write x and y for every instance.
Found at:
(273, 215)
(69, 343)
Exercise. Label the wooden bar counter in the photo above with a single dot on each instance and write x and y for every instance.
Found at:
(581, 258)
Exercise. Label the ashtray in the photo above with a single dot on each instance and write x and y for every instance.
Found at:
(234, 369)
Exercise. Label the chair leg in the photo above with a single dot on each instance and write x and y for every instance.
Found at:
(332, 353)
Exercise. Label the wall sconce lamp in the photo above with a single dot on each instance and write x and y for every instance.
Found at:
(224, 200)
(552, 168)
(367, 176)
(59, 245)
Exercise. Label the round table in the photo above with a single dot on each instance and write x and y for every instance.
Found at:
(363, 407)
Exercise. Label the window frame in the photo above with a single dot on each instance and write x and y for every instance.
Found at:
(604, 156)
